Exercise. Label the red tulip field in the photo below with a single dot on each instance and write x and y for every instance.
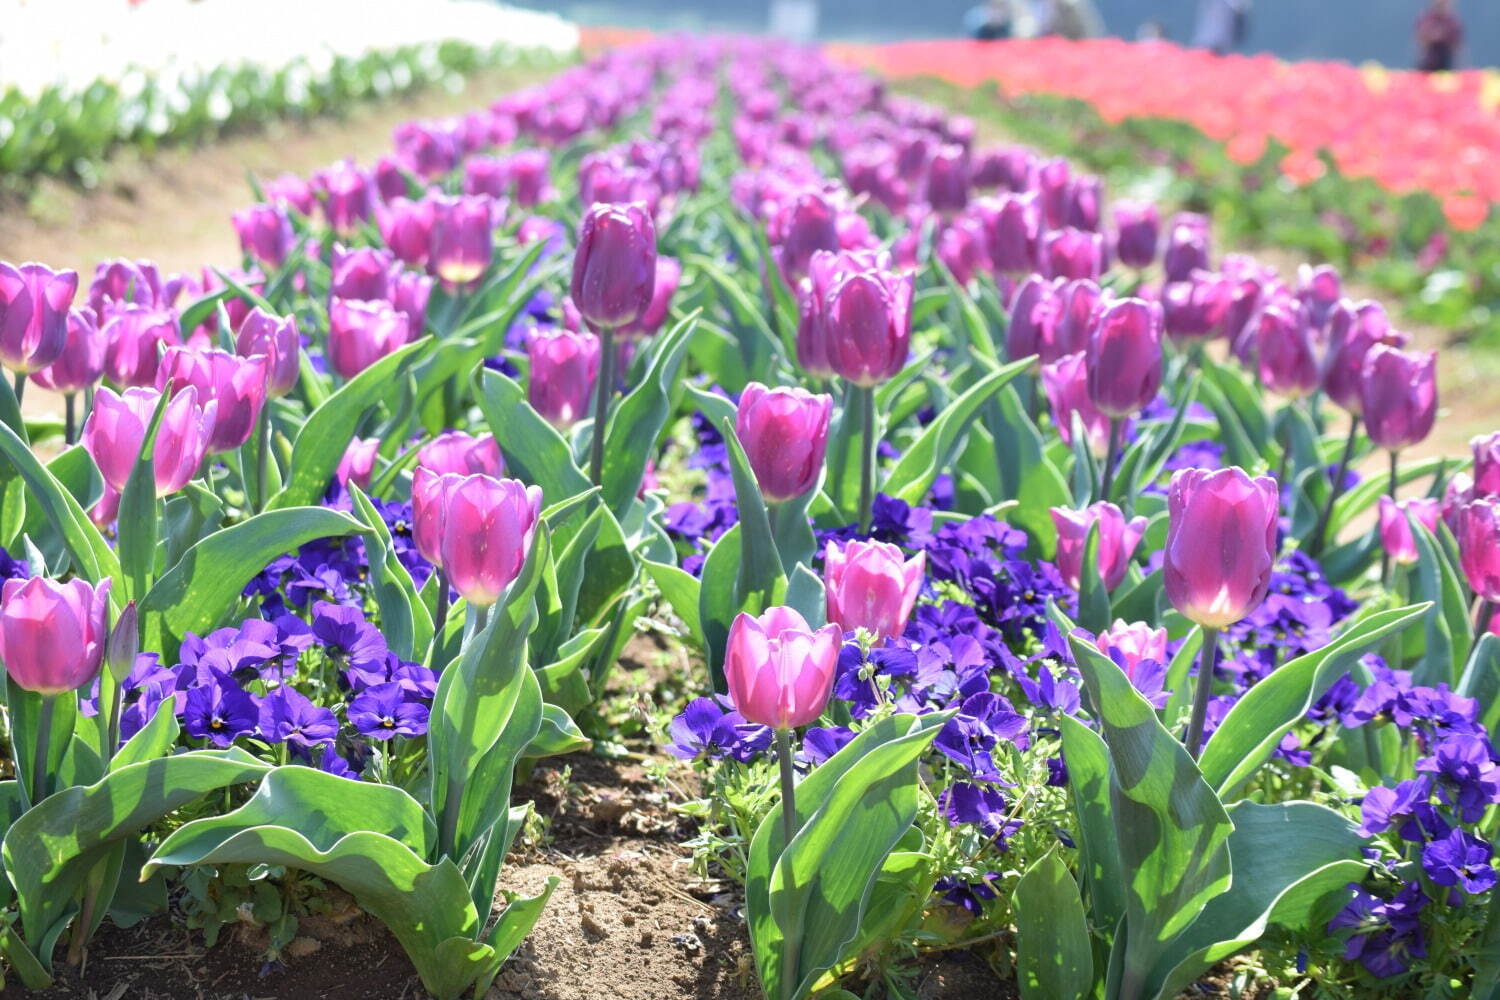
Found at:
(712, 518)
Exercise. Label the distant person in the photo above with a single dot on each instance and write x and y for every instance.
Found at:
(1151, 31)
(989, 22)
(1077, 19)
(1222, 25)
(1439, 35)
(1035, 18)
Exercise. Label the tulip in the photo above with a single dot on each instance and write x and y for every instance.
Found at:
(1395, 529)
(1053, 179)
(107, 509)
(1124, 366)
(614, 267)
(823, 272)
(1216, 567)
(961, 249)
(870, 586)
(462, 454)
(429, 492)
(80, 365)
(1141, 652)
(1065, 381)
(409, 294)
(278, 340)
(392, 176)
(1198, 307)
(1012, 227)
(463, 239)
(488, 525)
(486, 175)
(1479, 548)
(785, 433)
(1035, 312)
(347, 194)
(1398, 395)
(363, 274)
(1319, 289)
(121, 281)
(361, 333)
(1457, 495)
(948, 179)
(668, 275)
(1286, 356)
(406, 227)
(357, 464)
(292, 191)
(52, 635)
(528, 171)
(564, 366)
(867, 316)
(1072, 254)
(780, 671)
(1187, 247)
(235, 385)
(116, 430)
(1352, 330)
(265, 233)
(1138, 233)
(430, 147)
(1081, 205)
(803, 226)
(34, 304)
(539, 227)
(1118, 539)
(1486, 450)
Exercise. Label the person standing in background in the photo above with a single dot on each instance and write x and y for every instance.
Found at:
(1440, 33)
(990, 21)
(1222, 25)
(1077, 19)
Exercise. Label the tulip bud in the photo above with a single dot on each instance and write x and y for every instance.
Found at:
(1081, 210)
(1136, 643)
(1398, 394)
(1035, 312)
(463, 239)
(357, 464)
(528, 172)
(265, 233)
(390, 176)
(1287, 358)
(116, 429)
(1221, 544)
(1395, 530)
(488, 526)
(564, 366)
(1053, 178)
(1486, 450)
(1199, 306)
(81, 363)
(867, 318)
(124, 644)
(1319, 289)
(1081, 303)
(1187, 247)
(1478, 547)
(780, 671)
(361, 333)
(34, 304)
(279, 341)
(1072, 254)
(462, 454)
(803, 226)
(614, 267)
(236, 386)
(1118, 539)
(347, 194)
(948, 179)
(1457, 495)
(785, 433)
(1065, 381)
(871, 587)
(668, 274)
(1138, 233)
(1125, 357)
(1012, 225)
(429, 492)
(52, 635)
(363, 274)
(486, 175)
(406, 227)
(1352, 330)
(409, 294)
(961, 249)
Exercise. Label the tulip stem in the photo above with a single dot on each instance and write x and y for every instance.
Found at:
(1111, 455)
(603, 389)
(70, 419)
(1482, 620)
(20, 387)
(1316, 540)
(38, 787)
(866, 396)
(262, 455)
(1385, 552)
(440, 619)
(792, 957)
(1205, 689)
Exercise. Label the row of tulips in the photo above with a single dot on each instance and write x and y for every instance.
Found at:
(1000, 558)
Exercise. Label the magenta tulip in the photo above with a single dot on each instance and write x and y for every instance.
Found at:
(52, 635)
(409, 294)
(528, 171)
(1125, 357)
(34, 304)
(804, 225)
(1352, 331)
(780, 671)
(871, 586)
(785, 433)
(462, 454)
(1398, 395)
(1137, 233)
(116, 429)
(1053, 179)
(81, 363)
(463, 239)
(1319, 289)
(134, 337)
(867, 319)
(668, 275)
(120, 281)
(961, 248)
(357, 463)
(361, 333)
(1187, 247)
(265, 233)
(1198, 307)
(1065, 381)
(277, 339)
(347, 194)
(1012, 227)
(1286, 356)
(1035, 311)
(1479, 547)
(1457, 495)
(564, 367)
(614, 267)
(1118, 539)
(1486, 449)
(1072, 254)
(235, 385)
(406, 227)
(1395, 530)
(291, 191)
(363, 273)
(948, 179)
(487, 528)
(1080, 305)
(1221, 544)
(487, 175)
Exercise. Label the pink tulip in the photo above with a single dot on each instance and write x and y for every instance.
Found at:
(361, 333)
(357, 464)
(780, 671)
(1479, 547)
(363, 273)
(1072, 254)
(1065, 381)
(1141, 652)
(564, 367)
(265, 233)
(1118, 539)
(134, 337)
(406, 227)
(462, 454)
(1395, 530)
(785, 434)
(235, 385)
(81, 363)
(121, 282)
(116, 429)
(34, 304)
(429, 494)
(292, 191)
(106, 509)
(463, 239)
(409, 294)
(867, 322)
(871, 587)
(487, 528)
(277, 339)
(52, 635)
(1221, 544)
(1398, 395)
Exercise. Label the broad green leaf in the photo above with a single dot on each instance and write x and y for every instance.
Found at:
(1446, 636)
(534, 451)
(1054, 958)
(680, 589)
(1481, 680)
(404, 619)
(558, 735)
(91, 554)
(638, 419)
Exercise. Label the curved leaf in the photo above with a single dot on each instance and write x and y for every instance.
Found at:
(1054, 958)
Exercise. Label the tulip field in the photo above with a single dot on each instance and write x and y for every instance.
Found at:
(713, 524)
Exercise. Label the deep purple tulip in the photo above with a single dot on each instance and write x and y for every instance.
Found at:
(1187, 247)
(1118, 539)
(265, 233)
(1012, 226)
(1138, 233)
(1221, 544)
(463, 239)
(668, 275)
(785, 433)
(1319, 289)
(1285, 353)
(1085, 195)
(1486, 449)
(803, 225)
(1398, 395)
(1198, 307)
(1125, 357)
(1354, 328)
(948, 179)
(614, 267)
(1035, 311)
(34, 304)
(867, 316)
(1053, 179)
(1072, 254)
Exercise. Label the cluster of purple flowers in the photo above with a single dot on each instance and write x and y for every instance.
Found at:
(12, 568)
(697, 524)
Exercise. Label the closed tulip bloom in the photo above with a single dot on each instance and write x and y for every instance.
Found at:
(361, 333)
(529, 176)
(780, 671)
(961, 249)
(122, 281)
(1398, 394)
(1081, 303)
(1479, 547)
(871, 586)
(823, 273)
(265, 233)
(1285, 353)
(52, 635)
(1136, 643)
(668, 275)
(488, 525)
(1072, 254)
(1198, 307)
(1138, 233)
(357, 464)
(614, 267)
(278, 340)
(486, 175)
(1221, 544)
(948, 179)
(463, 239)
(391, 175)
(81, 363)
(409, 294)
(1035, 312)
(293, 192)
(134, 338)
(564, 366)
(1053, 179)
(1118, 539)
(1354, 328)
(1395, 530)
(116, 429)
(1082, 209)
(363, 273)
(406, 227)
(1319, 289)
(785, 434)
(462, 454)
(1012, 227)
(1457, 495)
(1187, 247)
(868, 320)
(1486, 450)
(347, 194)
(34, 304)
(1066, 383)
(804, 225)
(1125, 357)
(235, 385)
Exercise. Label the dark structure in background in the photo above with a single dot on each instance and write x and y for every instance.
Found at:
(1350, 30)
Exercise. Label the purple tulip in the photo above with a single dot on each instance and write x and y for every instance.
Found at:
(278, 340)
(961, 248)
(134, 337)
(52, 635)
(1198, 307)
(462, 454)
(409, 294)
(392, 177)
(116, 429)
(1319, 289)
(948, 179)
(124, 281)
(1478, 535)
(1398, 394)
(34, 304)
(1035, 311)
(1395, 530)
(1118, 539)
(231, 389)
(291, 191)
(81, 363)
(529, 176)
(1486, 449)
(1072, 254)
(265, 233)
(1138, 233)
(347, 194)
(1125, 357)
(1065, 381)
(1012, 227)
(463, 239)
(1286, 356)
(486, 175)
(1354, 328)
(1080, 304)
(1084, 197)
(564, 367)
(361, 333)
(614, 267)
(867, 316)
(1187, 247)
(406, 227)
(1053, 179)
(363, 273)
(785, 433)
(668, 275)
(1221, 544)
(802, 226)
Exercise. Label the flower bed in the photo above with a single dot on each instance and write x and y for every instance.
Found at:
(1013, 597)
